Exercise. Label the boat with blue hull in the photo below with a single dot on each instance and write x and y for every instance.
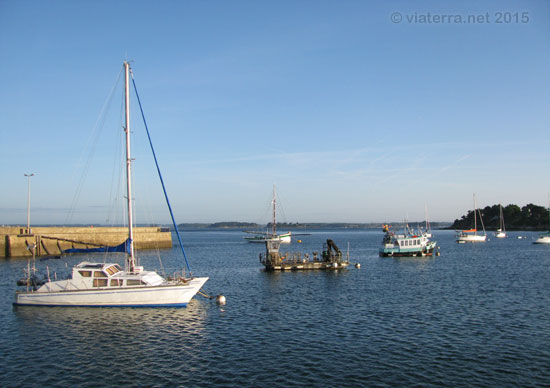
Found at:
(406, 243)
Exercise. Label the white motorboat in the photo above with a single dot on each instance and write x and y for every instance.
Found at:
(544, 238)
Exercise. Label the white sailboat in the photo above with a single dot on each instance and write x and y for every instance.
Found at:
(262, 237)
(428, 232)
(501, 231)
(470, 235)
(107, 284)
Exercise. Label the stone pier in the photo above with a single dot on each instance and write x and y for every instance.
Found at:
(16, 240)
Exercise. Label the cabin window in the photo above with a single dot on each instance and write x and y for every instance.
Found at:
(117, 282)
(99, 274)
(112, 270)
(85, 274)
(134, 282)
(100, 282)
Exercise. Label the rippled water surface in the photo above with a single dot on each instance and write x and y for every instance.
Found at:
(478, 315)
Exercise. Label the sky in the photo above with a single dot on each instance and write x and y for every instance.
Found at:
(358, 111)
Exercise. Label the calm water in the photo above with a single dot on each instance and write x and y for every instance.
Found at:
(477, 316)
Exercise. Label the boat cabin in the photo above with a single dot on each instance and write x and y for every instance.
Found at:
(98, 275)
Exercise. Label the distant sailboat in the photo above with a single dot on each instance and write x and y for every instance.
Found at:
(428, 232)
(471, 235)
(544, 238)
(262, 237)
(501, 231)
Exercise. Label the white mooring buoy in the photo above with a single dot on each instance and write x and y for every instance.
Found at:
(220, 299)
(357, 265)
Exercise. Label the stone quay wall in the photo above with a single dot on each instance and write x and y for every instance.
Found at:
(15, 241)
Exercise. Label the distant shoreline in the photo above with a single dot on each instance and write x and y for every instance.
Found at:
(244, 226)
(260, 227)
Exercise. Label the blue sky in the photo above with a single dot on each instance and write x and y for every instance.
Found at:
(353, 116)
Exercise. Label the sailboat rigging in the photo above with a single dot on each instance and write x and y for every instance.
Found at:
(107, 284)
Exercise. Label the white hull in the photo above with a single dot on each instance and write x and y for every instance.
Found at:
(285, 238)
(471, 238)
(500, 234)
(542, 240)
(282, 238)
(177, 295)
(470, 235)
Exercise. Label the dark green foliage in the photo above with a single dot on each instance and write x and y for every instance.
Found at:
(529, 217)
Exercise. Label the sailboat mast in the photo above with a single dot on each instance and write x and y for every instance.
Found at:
(428, 228)
(274, 225)
(131, 257)
(475, 215)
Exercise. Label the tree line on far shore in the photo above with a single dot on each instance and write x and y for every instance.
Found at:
(528, 217)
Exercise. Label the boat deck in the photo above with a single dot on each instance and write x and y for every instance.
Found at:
(306, 265)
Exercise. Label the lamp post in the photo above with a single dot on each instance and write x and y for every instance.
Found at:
(29, 202)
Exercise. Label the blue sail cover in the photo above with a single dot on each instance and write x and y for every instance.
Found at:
(121, 248)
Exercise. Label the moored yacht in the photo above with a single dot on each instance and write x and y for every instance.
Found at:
(107, 284)
(501, 231)
(471, 235)
(98, 284)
